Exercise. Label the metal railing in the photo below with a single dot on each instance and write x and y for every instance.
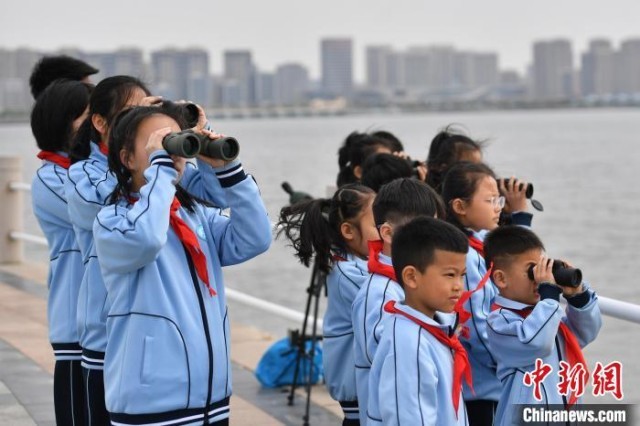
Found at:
(610, 307)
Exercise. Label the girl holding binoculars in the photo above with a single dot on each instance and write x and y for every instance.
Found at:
(161, 252)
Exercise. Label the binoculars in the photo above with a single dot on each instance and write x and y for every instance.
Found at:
(189, 144)
(187, 111)
(529, 193)
(563, 274)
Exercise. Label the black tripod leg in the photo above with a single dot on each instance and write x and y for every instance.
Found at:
(301, 337)
(314, 334)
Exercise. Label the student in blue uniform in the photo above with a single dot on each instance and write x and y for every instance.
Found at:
(335, 233)
(527, 322)
(55, 117)
(417, 372)
(161, 252)
(470, 192)
(88, 189)
(474, 204)
(397, 202)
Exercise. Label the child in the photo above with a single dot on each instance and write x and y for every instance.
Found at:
(88, 188)
(417, 372)
(55, 118)
(470, 192)
(447, 148)
(161, 252)
(397, 202)
(335, 233)
(51, 68)
(355, 150)
(527, 322)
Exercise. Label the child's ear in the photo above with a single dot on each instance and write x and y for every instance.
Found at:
(99, 123)
(409, 277)
(347, 231)
(357, 172)
(499, 278)
(125, 159)
(386, 233)
(459, 206)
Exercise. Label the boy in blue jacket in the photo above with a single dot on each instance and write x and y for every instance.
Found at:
(527, 322)
(397, 202)
(417, 372)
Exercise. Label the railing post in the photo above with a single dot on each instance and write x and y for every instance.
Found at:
(11, 211)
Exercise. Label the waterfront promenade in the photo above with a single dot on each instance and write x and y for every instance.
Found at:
(26, 363)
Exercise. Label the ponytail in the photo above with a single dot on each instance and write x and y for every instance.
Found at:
(313, 227)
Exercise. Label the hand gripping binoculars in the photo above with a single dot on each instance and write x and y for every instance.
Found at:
(563, 274)
(189, 144)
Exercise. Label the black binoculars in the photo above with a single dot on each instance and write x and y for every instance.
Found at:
(189, 144)
(563, 274)
(188, 111)
(529, 192)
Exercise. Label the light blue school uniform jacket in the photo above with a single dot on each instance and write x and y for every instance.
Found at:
(367, 315)
(483, 366)
(65, 262)
(411, 378)
(167, 359)
(516, 344)
(343, 282)
(89, 187)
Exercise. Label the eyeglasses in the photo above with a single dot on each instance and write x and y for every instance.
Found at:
(497, 202)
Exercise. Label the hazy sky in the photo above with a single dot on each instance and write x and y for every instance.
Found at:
(279, 31)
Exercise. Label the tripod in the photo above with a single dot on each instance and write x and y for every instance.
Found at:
(299, 338)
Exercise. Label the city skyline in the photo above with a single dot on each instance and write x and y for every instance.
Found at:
(288, 28)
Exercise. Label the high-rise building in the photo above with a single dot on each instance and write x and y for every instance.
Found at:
(119, 62)
(628, 67)
(597, 74)
(417, 69)
(291, 84)
(377, 58)
(265, 85)
(182, 74)
(239, 73)
(337, 67)
(552, 70)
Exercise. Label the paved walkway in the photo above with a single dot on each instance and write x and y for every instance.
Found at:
(26, 363)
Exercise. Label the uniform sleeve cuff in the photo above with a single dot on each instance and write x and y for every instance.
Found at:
(160, 158)
(549, 291)
(579, 300)
(230, 174)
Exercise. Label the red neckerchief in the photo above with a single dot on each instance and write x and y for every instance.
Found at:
(571, 345)
(477, 245)
(463, 314)
(461, 365)
(104, 148)
(190, 241)
(56, 158)
(374, 264)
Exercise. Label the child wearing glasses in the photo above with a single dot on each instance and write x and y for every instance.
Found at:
(473, 202)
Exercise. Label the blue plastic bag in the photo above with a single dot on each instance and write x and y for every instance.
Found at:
(278, 363)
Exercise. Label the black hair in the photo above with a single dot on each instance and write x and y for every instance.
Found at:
(52, 116)
(415, 243)
(505, 242)
(354, 151)
(109, 97)
(396, 144)
(379, 169)
(313, 226)
(123, 136)
(51, 68)
(461, 182)
(406, 198)
(445, 150)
